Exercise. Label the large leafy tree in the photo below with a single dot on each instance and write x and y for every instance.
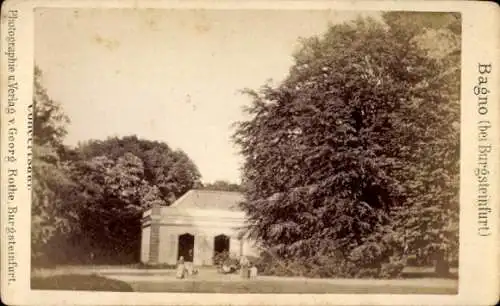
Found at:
(112, 197)
(51, 184)
(428, 220)
(352, 144)
(171, 171)
(117, 179)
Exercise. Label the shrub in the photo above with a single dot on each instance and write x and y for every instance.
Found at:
(220, 258)
(393, 268)
(367, 261)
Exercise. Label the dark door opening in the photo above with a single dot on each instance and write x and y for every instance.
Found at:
(221, 244)
(186, 247)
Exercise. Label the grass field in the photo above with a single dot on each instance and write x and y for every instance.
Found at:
(122, 279)
(79, 282)
(273, 286)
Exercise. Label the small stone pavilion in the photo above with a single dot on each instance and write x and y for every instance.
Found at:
(196, 226)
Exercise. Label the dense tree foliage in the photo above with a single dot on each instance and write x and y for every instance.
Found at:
(223, 186)
(354, 157)
(428, 221)
(117, 179)
(171, 171)
(51, 183)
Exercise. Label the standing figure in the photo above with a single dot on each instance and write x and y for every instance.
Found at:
(181, 268)
(244, 267)
(189, 263)
(253, 271)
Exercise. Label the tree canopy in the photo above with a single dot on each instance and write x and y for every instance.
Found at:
(51, 183)
(356, 152)
(117, 180)
(221, 185)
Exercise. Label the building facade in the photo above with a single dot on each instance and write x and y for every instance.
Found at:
(196, 227)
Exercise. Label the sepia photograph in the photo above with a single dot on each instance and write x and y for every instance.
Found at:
(246, 151)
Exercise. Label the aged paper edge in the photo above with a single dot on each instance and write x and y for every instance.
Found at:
(479, 256)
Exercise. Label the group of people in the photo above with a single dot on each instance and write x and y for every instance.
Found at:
(247, 270)
(185, 269)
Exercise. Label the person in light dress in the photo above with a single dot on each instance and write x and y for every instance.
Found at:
(181, 268)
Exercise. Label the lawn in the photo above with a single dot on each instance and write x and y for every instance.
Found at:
(123, 279)
(272, 286)
(79, 282)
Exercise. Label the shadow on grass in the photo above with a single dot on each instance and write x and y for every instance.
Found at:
(79, 282)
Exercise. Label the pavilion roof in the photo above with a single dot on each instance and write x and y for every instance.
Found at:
(210, 199)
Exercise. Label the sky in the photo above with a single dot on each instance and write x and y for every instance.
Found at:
(168, 75)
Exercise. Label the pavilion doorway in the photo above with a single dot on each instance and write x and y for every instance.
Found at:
(186, 247)
(221, 244)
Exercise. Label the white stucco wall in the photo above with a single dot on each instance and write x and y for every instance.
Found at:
(203, 249)
(146, 231)
(204, 225)
(168, 246)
